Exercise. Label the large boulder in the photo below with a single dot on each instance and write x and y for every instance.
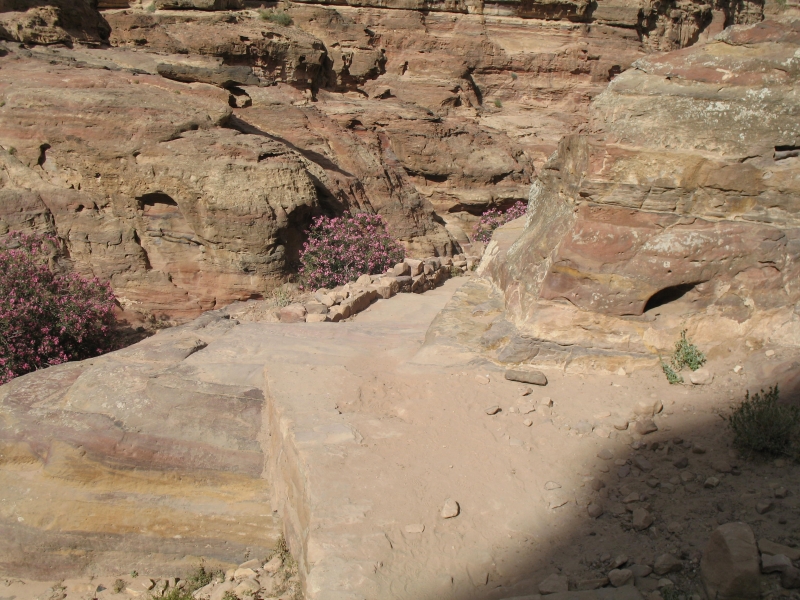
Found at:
(677, 209)
(52, 22)
(730, 566)
(136, 460)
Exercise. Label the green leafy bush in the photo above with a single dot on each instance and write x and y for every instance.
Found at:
(672, 376)
(762, 425)
(686, 355)
(281, 297)
(276, 16)
(200, 578)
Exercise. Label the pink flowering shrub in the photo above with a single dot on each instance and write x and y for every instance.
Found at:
(48, 318)
(494, 218)
(341, 249)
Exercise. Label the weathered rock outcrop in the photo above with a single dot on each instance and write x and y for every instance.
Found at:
(141, 459)
(428, 117)
(146, 188)
(52, 22)
(678, 208)
(455, 109)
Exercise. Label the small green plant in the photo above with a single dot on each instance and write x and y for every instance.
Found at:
(151, 8)
(514, 76)
(687, 354)
(278, 17)
(455, 271)
(497, 103)
(282, 297)
(134, 574)
(671, 593)
(229, 596)
(672, 376)
(12, 151)
(200, 578)
(118, 586)
(761, 425)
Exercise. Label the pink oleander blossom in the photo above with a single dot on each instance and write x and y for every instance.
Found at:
(494, 218)
(47, 318)
(341, 249)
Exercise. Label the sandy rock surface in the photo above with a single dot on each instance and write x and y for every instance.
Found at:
(676, 210)
(390, 476)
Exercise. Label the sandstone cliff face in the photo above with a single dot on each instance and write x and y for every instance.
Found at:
(136, 175)
(196, 150)
(677, 209)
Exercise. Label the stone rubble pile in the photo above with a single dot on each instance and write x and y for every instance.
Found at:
(274, 580)
(411, 275)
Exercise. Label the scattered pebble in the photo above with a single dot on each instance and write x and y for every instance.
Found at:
(493, 410)
(532, 377)
(619, 561)
(552, 485)
(554, 584)
(450, 509)
(666, 563)
(620, 577)
(775, 563)
(645, 427)
(415, 528)
(641, 519)
(595, 510)
(641, 463)
(701, 377)
(764, 506)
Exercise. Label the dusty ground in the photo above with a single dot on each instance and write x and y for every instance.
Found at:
(381, 430)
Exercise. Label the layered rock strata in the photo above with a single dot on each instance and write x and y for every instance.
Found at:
(428, 117)
(677, 209)
(144, 459)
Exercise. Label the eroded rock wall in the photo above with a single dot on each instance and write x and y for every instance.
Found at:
(678, 208)
(195, 150)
